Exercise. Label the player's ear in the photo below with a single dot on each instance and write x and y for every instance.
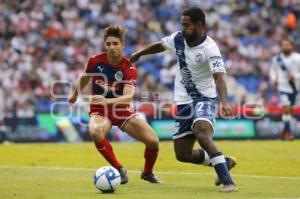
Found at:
(104, 44)
(200, 24)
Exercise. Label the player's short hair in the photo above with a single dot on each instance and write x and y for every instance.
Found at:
(115, 31)
(196, 14)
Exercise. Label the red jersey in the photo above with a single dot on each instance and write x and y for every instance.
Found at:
(109, 80)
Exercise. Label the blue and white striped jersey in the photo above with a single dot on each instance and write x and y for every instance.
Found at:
(280, 73)
(196, 66)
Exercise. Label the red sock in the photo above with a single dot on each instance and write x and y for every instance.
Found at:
(106, 150)
(150, 156)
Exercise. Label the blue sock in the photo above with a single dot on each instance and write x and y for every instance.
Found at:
(219, 163)
(287, 126)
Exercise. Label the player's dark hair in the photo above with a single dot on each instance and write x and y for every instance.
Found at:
(115, 31)
(196, 14)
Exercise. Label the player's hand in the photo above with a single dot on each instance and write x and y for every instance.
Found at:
(72, 99)
(226, 110)
(98, 99)
(134, 57)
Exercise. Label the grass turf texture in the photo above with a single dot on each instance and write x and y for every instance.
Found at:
(266, 169)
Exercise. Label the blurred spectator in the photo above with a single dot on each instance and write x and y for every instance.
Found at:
(2, 135)
(167, 74)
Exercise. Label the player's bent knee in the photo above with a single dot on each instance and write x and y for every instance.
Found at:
(97, 136)
(97, 133)
(151, 140)
(152, 143)
(94, 128)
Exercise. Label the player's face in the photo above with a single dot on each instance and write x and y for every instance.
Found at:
(286, 46)
(114, 46)
(189, 30)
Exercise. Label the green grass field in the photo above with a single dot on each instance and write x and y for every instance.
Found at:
(266, 169)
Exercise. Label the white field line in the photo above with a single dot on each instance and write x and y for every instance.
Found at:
(159, 172)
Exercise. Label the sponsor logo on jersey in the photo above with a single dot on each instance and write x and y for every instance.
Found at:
(179, 52)
(217, 64)
(216, 61)
(186, 77)
(212, 58)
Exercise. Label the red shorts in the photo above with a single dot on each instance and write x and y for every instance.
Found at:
(118, 115)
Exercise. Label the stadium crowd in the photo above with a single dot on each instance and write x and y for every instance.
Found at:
(48, 41)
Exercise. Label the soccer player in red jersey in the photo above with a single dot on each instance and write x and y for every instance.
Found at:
(113, 87)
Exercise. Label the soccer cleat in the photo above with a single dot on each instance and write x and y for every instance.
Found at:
(150, 177)
(230, 162)
(229, 188)
(123, 174)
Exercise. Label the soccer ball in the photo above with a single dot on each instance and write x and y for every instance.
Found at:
(107, 179)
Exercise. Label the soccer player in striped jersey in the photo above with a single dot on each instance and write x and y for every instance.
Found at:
(284, 75)
(200, 73)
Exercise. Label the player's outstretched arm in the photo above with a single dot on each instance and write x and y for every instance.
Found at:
(83, 81)
(73, 97)
(153, 48)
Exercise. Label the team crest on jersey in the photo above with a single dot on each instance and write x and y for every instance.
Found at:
(119, 76)
(199, 58)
